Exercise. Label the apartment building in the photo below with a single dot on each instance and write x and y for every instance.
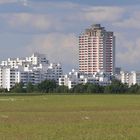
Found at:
(97, 50)
(130, 78)
(34, 69)
(74, 77)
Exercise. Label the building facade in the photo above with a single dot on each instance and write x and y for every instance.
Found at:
(74, 78)
(34, 69)
(97, 50)
(130, 78)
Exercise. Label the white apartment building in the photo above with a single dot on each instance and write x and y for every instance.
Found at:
(36, 59)
(124, 76)
(135, 78)
(130, 78)
(97, 50)
(34, 69)
(74, 78)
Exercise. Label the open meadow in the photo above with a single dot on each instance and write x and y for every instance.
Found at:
(70, 117)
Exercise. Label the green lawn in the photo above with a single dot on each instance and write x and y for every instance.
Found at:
(70, 117)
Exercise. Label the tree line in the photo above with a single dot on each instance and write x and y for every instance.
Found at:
(50, 86)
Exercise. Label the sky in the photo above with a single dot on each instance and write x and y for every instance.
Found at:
(52, 27)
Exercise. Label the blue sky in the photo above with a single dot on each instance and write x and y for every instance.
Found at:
(53, 26)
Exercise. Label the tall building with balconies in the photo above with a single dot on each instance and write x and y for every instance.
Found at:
(96, 50)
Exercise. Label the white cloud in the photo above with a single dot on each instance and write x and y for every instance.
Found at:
(24, 2)
(58, 46)
(68, 18)
(128, 52)
(60, 21)
(28, 22)
(132, 22)
(97, 14)
(101, 14)
(8, 1)
(60, 5)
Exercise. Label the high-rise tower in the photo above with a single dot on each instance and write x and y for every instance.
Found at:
(96, 50)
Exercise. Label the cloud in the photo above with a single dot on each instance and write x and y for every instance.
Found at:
(25, 2)
(30, 20)
(100, 14)
(7, 1)
(53, 26)
(59, 47)
(14, 1)
(131, 19)
(132, 22)
(97, 13)
(128, 52)
(26, 22)
(66, 16)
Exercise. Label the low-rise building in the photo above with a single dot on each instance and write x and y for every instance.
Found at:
(125, 76)
(34, 69)
(134, 78)
(130, 78)
(75, 77)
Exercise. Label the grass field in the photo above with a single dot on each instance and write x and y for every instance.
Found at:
(74, 117)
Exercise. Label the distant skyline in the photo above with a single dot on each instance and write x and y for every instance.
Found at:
(53, 26)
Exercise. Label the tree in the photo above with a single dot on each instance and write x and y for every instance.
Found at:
(61, 89)
(80, 88)
(18, 88)
(134, 88)
(94, 88)
(3, 90)
(47, 86)
(116, 87)
(30, 88)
